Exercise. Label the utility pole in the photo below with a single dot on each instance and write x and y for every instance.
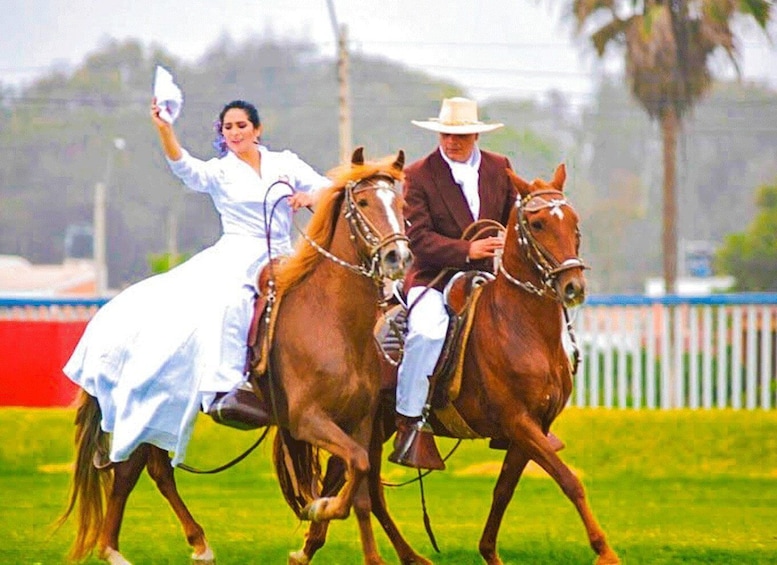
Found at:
(99, 245)
(172, 234)
(98, 241)
(344, 92)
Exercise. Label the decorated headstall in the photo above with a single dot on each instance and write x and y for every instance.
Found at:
(362, 229)
(548, 266)
(367, 238)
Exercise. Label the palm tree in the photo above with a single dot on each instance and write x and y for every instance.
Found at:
(667, 48)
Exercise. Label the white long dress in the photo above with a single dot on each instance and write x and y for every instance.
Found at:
(159, 350)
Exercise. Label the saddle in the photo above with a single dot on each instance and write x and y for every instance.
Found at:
(460, 296)
(245, 407)
(263, 321)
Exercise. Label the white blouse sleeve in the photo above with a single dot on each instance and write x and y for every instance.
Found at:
(198, 175)
(306, 178)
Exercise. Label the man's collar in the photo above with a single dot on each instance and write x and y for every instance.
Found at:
(473, 161)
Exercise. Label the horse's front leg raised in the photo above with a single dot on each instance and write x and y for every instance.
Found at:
(315, 537)
(161, 472)
(327, 435)
(533, 442)
(320, 431)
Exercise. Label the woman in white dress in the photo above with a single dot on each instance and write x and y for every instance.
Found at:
(161, 350)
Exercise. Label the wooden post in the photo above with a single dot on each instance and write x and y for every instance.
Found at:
(344, 98)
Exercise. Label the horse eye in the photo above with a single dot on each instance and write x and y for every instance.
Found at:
(536, 225)
(362, 203)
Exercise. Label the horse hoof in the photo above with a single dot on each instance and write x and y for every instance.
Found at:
(205, 558)
(298, 558)
(113, 557)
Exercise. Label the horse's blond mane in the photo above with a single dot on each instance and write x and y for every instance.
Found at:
(321, 227)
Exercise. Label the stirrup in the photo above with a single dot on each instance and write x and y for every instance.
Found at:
(240, 408)
(415, 447)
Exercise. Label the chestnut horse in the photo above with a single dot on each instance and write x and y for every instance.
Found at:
(516, 376)
(322, 380)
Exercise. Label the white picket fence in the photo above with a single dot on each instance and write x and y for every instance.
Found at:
(717, 351)
(49, 309)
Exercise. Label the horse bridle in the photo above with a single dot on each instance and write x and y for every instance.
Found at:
(546, 264)
(362, 229)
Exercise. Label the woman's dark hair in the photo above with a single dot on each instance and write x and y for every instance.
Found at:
(220, 144)
(250, 110)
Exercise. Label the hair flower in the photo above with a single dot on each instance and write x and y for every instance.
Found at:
(220, 143)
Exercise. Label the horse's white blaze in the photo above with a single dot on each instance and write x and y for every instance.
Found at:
(387, 196)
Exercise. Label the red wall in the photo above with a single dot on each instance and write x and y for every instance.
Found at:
(32, 354)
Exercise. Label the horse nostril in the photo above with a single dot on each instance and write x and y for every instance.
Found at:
(573, 291)
(391, 258)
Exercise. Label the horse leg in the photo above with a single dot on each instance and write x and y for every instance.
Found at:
(335, 474)
(315, 537)
(161, 471)
(406, 554)
(362, 507)
(514, 463)
(322, 432)
(533, 442)
(355, 492)
(362, 503)
(125, 477)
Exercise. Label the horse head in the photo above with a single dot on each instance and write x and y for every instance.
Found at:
(374, 210)
(547, 238)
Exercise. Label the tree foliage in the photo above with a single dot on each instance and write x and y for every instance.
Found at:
(668, 44)
(751, 256)
(57, 141)
(57, 138)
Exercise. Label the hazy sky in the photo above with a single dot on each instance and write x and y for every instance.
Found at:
(519, 48)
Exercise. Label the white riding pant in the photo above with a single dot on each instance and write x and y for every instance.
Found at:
(427, 325)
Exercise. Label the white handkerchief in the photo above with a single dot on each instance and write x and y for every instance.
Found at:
(168, 95)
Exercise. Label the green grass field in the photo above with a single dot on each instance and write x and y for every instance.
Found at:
(667, 487)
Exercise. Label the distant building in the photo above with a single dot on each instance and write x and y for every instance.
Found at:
(690, 286)
(74, 277)
(695, 274)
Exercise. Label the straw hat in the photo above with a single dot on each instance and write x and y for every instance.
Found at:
(457, 116)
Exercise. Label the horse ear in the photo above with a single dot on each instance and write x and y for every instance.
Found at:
(358, 156)
(521, 185)
(399, 164)
(559, 177)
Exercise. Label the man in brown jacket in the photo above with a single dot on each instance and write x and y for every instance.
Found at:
(445, 192)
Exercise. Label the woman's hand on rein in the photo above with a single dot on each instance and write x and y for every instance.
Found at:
(301, 200)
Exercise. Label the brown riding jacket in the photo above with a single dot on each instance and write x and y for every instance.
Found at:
(437, 214)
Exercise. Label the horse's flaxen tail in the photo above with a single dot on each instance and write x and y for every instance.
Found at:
(90, 485)
(298, 467)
